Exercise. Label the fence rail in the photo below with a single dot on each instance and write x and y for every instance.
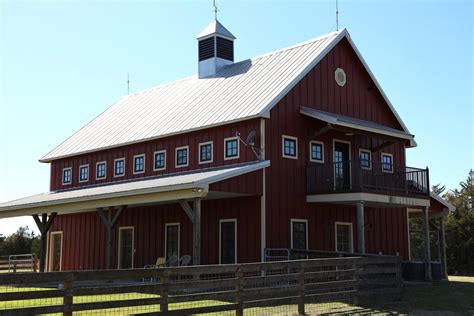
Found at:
(201, 289)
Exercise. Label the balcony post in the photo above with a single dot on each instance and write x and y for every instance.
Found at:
(360, 227)
(426, 237)
(442, 248)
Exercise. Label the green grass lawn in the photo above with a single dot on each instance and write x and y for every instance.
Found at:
(455, 296)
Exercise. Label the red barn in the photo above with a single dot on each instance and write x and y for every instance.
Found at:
(299, 148)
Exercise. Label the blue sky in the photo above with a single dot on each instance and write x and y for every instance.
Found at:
(64, 62)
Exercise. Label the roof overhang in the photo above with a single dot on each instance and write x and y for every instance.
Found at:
(438, 198)
(356, 124)
(175, 187)
(370, 199)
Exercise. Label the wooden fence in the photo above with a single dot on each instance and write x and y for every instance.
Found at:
(203, 289)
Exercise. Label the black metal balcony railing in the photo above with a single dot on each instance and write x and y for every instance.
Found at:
(370, 176)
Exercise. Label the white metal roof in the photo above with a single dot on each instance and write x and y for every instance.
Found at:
(240, 91)
(199, 179)
(352, 122)
(216, 28)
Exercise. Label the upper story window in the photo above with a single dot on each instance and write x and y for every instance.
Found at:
(83, 173)
(182, 156)
(119, 167)
(159, 160)
(67, 176)
(344, 237)
(290, 147)
(138, 164)
(231, 148)
(365, 157)
(387, 162)
(100, 170)
(316, 150)
(205, 152)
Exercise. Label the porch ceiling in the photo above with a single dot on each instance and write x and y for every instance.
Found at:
(149, 191)
(369, 199)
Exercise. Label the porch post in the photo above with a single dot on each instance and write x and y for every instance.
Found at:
(43, 225)
(442, 244)
(360, 227)
(426, 237)
(197, 232)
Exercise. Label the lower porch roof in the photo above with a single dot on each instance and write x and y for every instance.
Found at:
(175, 187)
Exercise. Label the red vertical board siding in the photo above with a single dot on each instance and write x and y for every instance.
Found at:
(149, 233)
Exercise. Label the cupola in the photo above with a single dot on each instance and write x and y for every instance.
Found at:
(215, 49)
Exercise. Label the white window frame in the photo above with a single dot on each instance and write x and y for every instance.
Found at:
(105, 169)
(119, 242)
(154, 159)
(88, 174)
(311, 151)
(363, 150)
(176, 156)
(283, 146)
(115, 169)
(144, 164)
(298, 220)
(179, 238)
(212, 152)
(351, 235)
(228, 220)
(382, 163)
(62, 176)
(225, 147)
(50, 261)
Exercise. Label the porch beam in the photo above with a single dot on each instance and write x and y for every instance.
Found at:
(187, 209)
(197, 232)
(109, 221)
(321, 132)
(44, 224)
(442, 248)
(426, 252)
(383, 145)
(360, 227)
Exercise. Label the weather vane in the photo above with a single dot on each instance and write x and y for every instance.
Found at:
(215, 8)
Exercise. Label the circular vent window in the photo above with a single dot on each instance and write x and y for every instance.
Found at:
(340, 77)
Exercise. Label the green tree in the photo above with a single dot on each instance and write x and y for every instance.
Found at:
(460, 229)
(23, 241)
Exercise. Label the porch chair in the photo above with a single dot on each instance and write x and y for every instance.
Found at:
(160, 263)
(173, 261)
(185, 260)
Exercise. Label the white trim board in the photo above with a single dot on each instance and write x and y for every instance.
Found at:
(51, 253)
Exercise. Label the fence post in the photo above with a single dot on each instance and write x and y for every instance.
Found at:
(164, 280)
(238, 295)
(68, 298)
(357, 284)
(301, 290)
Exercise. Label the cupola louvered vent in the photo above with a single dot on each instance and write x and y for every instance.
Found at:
(206, 48)
(225, 48)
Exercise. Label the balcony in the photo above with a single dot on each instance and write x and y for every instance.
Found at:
(367, 177)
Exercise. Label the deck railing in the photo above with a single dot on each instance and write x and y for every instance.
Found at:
(370, 176)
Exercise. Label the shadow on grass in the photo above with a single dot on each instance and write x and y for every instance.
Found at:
(440, 298)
